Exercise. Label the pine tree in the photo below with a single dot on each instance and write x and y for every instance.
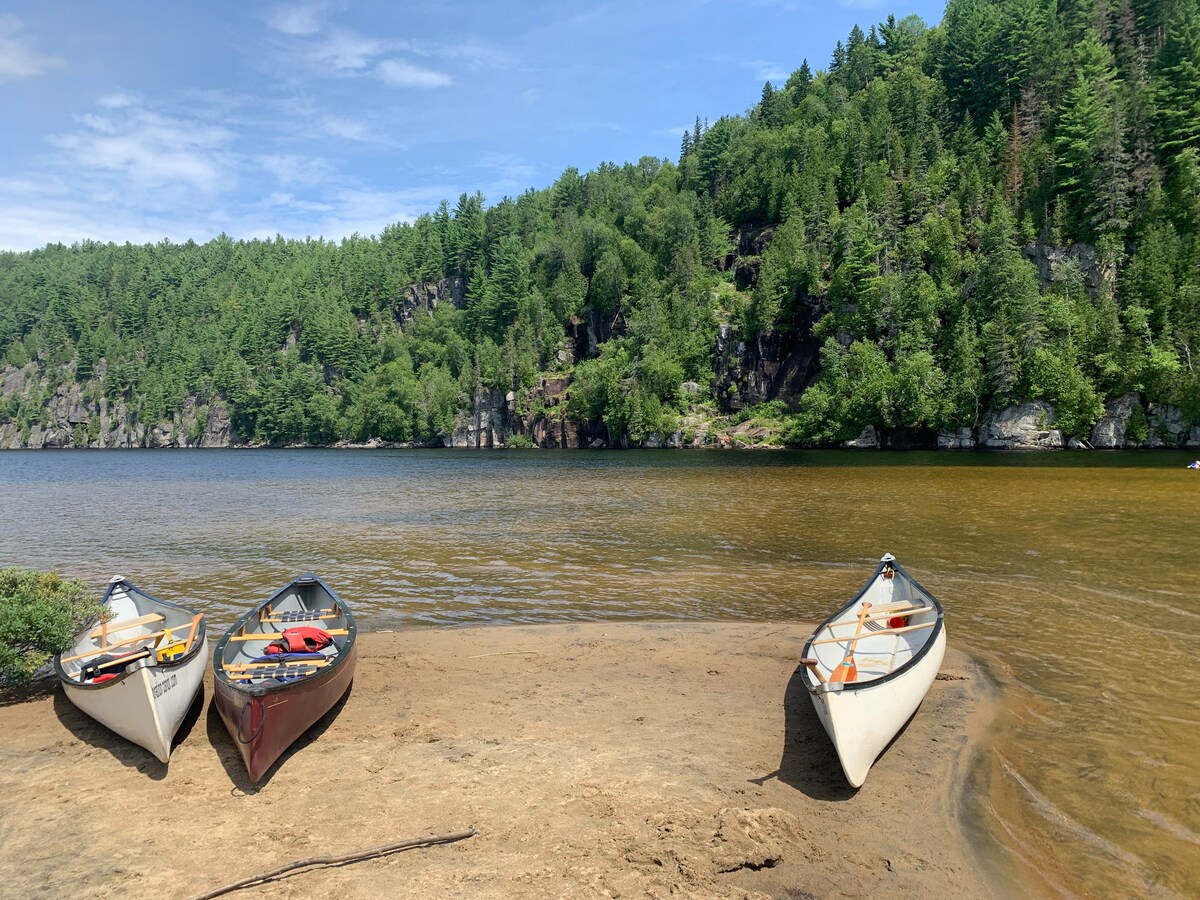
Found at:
(1176, 83)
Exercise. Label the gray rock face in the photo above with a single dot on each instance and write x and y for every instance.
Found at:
(764, 366)
(427, 296)
(80, 415)
(866, 440)
(1109, 432)
(486, 428)
(1028, 426)
(1167, 428)
(1049, 261)
(959, 439)
(218, 427)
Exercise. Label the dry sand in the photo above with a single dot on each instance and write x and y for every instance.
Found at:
(595, 760)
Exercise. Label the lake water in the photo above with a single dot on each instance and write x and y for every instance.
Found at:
(1071, 574)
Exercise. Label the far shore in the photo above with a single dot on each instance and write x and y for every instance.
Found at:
(595, 760)
(1184, 450)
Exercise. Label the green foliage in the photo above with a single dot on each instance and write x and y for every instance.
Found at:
(39, 615)
(883, 209)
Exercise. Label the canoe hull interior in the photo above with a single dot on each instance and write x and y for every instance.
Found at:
(900, 645)
(147, 702)
(264, 714)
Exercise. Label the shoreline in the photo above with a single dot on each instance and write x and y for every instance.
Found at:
(1182, 450)
(595, 759)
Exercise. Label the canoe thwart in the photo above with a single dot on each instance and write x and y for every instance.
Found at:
(290, 618)
(886, 614)
(276, 636)
(133, 640)
(299, 663)
(842, 640)
(278, 671)
(125, 624)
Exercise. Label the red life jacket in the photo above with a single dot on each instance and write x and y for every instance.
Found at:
(303, 639)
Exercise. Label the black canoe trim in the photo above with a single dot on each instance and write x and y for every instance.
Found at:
(937, 629)
(198, 642)
(276, 687)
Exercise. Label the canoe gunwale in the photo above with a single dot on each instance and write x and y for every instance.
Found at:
(816, 688)
(326, 673)
(199, 641)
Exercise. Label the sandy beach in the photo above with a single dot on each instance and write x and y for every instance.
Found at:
(595, 760)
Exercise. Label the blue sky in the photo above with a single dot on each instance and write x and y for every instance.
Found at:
(138, 121)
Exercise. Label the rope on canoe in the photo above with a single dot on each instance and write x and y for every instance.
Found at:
(341, 860)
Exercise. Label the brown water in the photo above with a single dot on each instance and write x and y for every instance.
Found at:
(1072, 574)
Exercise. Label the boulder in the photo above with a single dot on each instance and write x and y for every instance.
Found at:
(866, 440)
(1027, 426)
(958, 439)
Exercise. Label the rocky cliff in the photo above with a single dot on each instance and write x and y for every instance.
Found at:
(37, 411)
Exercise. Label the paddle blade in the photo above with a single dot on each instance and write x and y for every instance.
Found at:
(845, 671)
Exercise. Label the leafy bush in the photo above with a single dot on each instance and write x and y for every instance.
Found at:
(39, 615)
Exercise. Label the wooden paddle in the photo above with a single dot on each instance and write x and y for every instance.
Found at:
(846, 670)
(192, 634)
(126, 642)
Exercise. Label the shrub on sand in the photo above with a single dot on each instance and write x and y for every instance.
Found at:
(39, 614)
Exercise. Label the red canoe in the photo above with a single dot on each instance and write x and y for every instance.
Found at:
(268, 698)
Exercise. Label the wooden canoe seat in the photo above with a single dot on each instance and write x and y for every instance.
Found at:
(293, 618)
(277, 672)
(302, 663)
(125, 624)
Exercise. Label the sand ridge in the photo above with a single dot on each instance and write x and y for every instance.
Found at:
(596, 760)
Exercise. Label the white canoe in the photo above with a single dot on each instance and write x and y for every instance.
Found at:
(900, 648)
(137, 671)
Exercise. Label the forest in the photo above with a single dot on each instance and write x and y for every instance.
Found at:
(897, 202)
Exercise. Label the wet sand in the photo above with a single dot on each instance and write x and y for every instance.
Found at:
(595, 760)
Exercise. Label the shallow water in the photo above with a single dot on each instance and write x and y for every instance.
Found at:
(1072, 574)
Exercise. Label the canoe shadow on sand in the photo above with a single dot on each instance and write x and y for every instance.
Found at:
(39, 689)
(809, 762)
(231, 759)
(129, 754)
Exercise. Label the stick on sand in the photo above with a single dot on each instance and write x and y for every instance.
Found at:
(337, 860)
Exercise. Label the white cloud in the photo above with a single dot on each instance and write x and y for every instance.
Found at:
(346, 129)
(291, 169)
(399, 73)
(474, 53)
(32, 216)
(345, 50)
(766, 71)
(147, 150)
(303, 19)
(18, 60)
(512, 173)
(677, 131)
(117, 100)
